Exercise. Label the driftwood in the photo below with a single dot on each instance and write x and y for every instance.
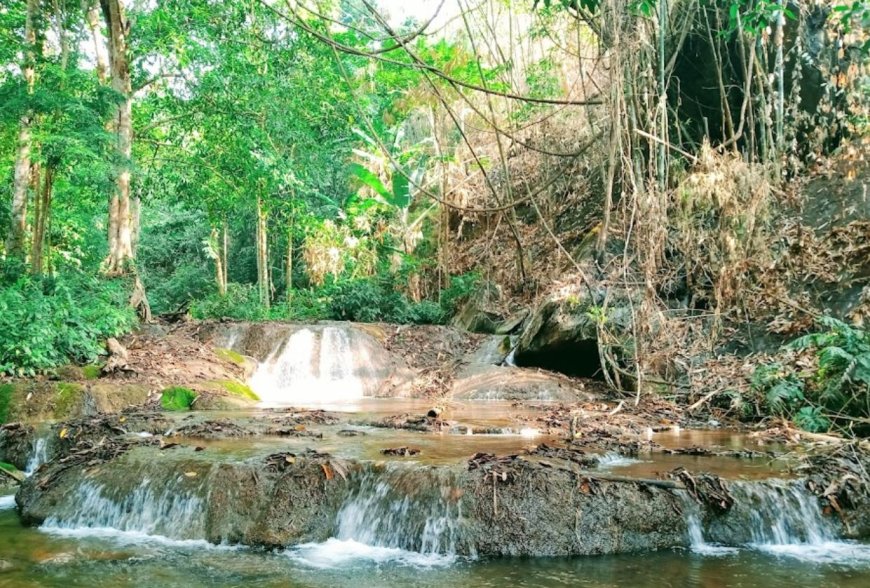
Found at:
(14, 474)
(118, 356)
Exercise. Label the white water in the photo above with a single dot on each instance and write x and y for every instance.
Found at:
(334, 553)
(7, 502)
(785, 520)
(381, 522)
(611, 459)
(38, 457)
(162, 514)
(314, 367)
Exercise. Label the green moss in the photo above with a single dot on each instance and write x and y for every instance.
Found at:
(5, 399)
(92, 372)
(239, 389)
(67, 396)
(8, 467)
(177, 398)
(230, 355)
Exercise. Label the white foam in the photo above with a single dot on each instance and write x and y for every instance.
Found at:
(712, 550)
(7, 502)
(828, 552)
(349, 552)
(130, 537)
(615, 460)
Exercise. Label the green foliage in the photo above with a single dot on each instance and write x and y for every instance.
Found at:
(177, 398)
(368, 301)
(49, 322)
(783, 391)
(810, 418)
(838, 389)
(460, 288)
(241, 302)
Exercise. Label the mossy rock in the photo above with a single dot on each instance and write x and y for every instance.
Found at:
(239, 389)
(225, 395)
(69, 399)
(6, 391)
(177, 398)
(92, 372)
(230, 356)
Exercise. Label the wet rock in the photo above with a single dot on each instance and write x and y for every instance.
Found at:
(214, 429)
(400, 451)
(412, 422)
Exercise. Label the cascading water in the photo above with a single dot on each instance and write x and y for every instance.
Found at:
(155, 511)
(778, 517)
(38, 456)
(387, 519)
(324, 365)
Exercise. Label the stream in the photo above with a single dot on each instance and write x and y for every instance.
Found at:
(345, 514)
(36, 557)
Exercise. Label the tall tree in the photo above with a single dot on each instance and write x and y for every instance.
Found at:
(21, 180)
(121, 211)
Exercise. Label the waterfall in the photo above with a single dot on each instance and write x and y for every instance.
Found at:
(38, 456)
(325, 365)
(392, 516)
(151, 511)
(778, 517)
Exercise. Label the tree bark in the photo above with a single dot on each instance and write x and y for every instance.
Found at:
(40, 221)
(122, 214)
(288, 268)
(226, 254)
(91, 8)
(21, 177)
(262, 256)
(217, 255)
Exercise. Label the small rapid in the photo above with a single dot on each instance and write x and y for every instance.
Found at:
(780, 518)
(151, 512)
(389, 516)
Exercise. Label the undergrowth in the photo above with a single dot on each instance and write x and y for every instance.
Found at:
(371, 299)
(827, 382)
(51, 321)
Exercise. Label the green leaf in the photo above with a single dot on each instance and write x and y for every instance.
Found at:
(371, 180)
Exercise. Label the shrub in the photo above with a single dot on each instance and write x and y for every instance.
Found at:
(177, 398)
(427, 312)
(241, 302)
(367, 301)
(460, 289)
(48, 322)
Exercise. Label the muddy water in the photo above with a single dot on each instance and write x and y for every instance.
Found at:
(30, 557)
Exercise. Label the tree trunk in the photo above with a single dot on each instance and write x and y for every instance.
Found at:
(91, 8)
(226, 254)
(288, 267)
(40, 221)
(780, 78)
(21, 176)
(122, 214)
(262, 255)
(216, 254)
